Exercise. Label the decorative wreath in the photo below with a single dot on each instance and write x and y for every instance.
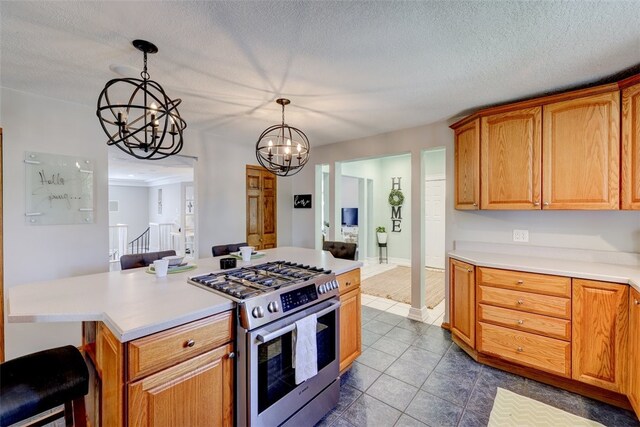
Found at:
(396, 198)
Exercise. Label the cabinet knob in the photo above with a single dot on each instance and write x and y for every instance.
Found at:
(546, 203)
(520, 322)
(520, 302)
(475, 204)
(190, 343)
(469, 270)
(636, 302)
(520, 282)
(536, 203)
(232, 355)
(519, 349)
(347, 284)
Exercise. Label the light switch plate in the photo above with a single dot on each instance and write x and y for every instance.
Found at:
(521, 236)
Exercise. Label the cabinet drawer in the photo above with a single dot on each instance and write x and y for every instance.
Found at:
(527, 322)
(154, 352)
(535, 351)
(349, 280)
(525, 301)
(528, 282)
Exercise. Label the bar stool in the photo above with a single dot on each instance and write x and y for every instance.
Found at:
(32, 384)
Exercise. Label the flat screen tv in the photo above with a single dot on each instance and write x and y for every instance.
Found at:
(349, 217)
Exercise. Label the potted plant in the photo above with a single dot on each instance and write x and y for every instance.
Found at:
(381, 232)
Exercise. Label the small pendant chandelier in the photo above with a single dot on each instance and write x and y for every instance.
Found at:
(144, 122)
(282, 149)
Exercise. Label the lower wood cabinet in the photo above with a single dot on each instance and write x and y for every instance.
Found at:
(462, 301)
(633, 388)
(350, 318)
(600, 329)
(178, 377)
(580, 335)
(197, 392)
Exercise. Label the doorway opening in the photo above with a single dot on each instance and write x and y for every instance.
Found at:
(152, 206)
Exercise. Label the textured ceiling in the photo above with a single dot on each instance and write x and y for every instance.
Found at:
(351, 69)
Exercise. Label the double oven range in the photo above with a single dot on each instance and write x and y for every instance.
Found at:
(271, 297)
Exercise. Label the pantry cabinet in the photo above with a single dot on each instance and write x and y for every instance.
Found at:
(511, 145)
(581, 152)
(467, 166)
(350, 318)
(600, 329)
(633, 388)
(630, 157)
(462, 301)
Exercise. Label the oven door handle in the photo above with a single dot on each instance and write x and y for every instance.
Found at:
(273, 335)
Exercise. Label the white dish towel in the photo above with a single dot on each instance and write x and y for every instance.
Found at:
(305, 351)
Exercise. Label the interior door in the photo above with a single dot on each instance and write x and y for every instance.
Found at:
(434, 223)
(261, 208)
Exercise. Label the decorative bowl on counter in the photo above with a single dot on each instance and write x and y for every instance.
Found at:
(174, 260)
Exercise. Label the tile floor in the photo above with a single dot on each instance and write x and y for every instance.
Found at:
(411, 374)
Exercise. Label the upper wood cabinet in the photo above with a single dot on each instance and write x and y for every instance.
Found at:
(600, 330)
(633, 387)
(630, 191)
(511, 163)
(467, 166)
(462, 301)
(581, 153)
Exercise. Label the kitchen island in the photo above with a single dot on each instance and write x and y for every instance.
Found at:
(163, 349)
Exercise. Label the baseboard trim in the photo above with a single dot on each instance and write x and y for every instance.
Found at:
(445, 326)
(419, 314)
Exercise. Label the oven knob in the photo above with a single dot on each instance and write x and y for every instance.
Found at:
(334, 284)
(273, 307)
(322, 289)
(257, 312)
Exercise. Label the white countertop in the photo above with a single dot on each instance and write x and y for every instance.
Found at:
(134, 303)
(583, 270)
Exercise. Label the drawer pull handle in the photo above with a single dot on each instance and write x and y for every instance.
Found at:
(520, 282)
(190, 343)
(469, 270)
(520, 322)
(520, 349)
(520, 302)
(348, 284)
(475, 204)
(636, 302)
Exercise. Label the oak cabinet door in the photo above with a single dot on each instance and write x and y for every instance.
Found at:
(630, 190)
(633, 389)
(511, 163)
(467, 166)
(462, 299)
(350, 328)
(110, 360)
(581, 153)
(599, 331)
(197, 392)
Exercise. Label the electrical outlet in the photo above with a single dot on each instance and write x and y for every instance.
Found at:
(521, 236)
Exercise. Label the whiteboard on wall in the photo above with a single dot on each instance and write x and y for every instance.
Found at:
(59, 189)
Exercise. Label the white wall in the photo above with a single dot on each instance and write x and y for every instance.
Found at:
(133, 208)
(604, 230)
(35, 253)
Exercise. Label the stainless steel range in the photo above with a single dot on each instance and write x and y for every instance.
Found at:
(271, 297)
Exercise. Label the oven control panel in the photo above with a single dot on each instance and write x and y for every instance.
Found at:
(298, 297)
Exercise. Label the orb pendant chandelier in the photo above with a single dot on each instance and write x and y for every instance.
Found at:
(138, 116)
(282, 149)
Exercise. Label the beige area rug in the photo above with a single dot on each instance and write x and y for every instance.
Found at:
(395, 284)
(511, 409)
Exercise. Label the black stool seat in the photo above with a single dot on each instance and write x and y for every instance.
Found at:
(40, 381)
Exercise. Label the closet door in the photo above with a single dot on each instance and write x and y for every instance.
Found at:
(261, 221)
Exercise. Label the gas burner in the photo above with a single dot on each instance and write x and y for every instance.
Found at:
(267, 291)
